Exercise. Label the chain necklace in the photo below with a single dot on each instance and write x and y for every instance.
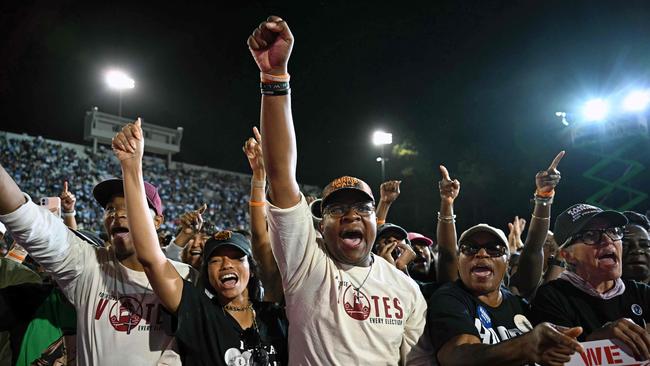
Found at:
(358, 288)
(238, 308)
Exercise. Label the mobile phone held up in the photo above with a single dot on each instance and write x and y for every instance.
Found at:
(53, 204)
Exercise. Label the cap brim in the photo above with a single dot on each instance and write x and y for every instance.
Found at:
(210, 249)
(332, 196)
(422, 239)
(471, 231)
(615, 217)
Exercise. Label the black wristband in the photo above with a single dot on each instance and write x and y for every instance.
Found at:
(282, 85)
(275, 92)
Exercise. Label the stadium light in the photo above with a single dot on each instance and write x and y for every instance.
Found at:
(382, 138)
(595, 110)
(118, 80)
(636, 101)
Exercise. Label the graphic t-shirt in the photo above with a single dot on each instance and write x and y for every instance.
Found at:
(561, 303)
(453, 311)
(335, 317)
(208, 335)
(120, 321)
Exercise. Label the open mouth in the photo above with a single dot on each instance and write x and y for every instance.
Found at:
(119, 232)
(608, 258)
(196, 252)
(351, 238)
(482, 270)
(229, 280)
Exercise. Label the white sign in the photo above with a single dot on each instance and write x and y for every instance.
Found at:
(604, 353)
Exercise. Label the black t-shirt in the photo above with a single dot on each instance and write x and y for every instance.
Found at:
(561, 303)
(208, 335)
(453, 311)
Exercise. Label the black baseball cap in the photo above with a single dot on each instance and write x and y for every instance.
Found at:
(576, 217)
(391, 229)
(226, 237)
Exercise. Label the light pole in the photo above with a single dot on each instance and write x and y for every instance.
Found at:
(119, 81)
(381, 139)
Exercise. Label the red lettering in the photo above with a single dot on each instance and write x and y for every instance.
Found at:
(396, 305)
(610, 353)
(386, 307)
(100, 308)
(592, 356)
(376, 300)
(585, 358)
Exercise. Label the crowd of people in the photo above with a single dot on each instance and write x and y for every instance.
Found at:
(328, 280)
(180, 188)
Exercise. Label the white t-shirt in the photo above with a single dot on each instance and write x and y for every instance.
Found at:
(120, 321)
(329, 323)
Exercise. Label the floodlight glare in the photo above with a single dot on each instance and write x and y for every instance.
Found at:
(595, 110)
(382, 138)
(119, 80)
(636, 101)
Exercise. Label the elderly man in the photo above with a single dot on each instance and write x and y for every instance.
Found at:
(591, 293)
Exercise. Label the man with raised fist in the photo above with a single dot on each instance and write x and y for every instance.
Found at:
(345, 305)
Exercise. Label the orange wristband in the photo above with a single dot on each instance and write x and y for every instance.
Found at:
(545, 194)
(381, 222)
(268, 78)
(256, 204)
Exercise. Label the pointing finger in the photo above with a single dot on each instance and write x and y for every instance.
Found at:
(202, 208)
(257, 135)
(65, 186)
(444, 172)
(556, 161)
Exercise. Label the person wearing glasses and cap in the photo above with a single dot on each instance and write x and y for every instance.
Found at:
(591, 293)
(345, 306)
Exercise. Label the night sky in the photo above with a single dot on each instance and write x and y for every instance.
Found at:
(471, 84)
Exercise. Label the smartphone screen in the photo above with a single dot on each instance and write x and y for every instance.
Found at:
(53, 204)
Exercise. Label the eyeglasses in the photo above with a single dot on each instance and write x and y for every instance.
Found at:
(492, 249)
(337, 210)
(595, 236)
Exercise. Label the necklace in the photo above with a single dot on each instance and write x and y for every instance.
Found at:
(238, 308)
(357, 288)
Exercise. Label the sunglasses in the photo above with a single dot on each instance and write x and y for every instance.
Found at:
(337, 210)
(595, 236)
(493, 249)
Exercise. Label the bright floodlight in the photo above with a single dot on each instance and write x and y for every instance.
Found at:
(636, 101)
(382, 138)
(119, 80)
(595, 110)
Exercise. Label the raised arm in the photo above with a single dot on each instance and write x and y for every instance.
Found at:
(446, 231)
(261, 240)
(128, 146)
(271, 44)
(389, 191)
(531, 260)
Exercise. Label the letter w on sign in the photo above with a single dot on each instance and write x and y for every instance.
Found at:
(604, 353)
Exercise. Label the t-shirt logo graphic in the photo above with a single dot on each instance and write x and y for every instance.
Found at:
(636, 309)
(356, 303)
(125, 314)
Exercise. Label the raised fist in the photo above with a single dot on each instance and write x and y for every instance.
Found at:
(128, 144)
(270, 44)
